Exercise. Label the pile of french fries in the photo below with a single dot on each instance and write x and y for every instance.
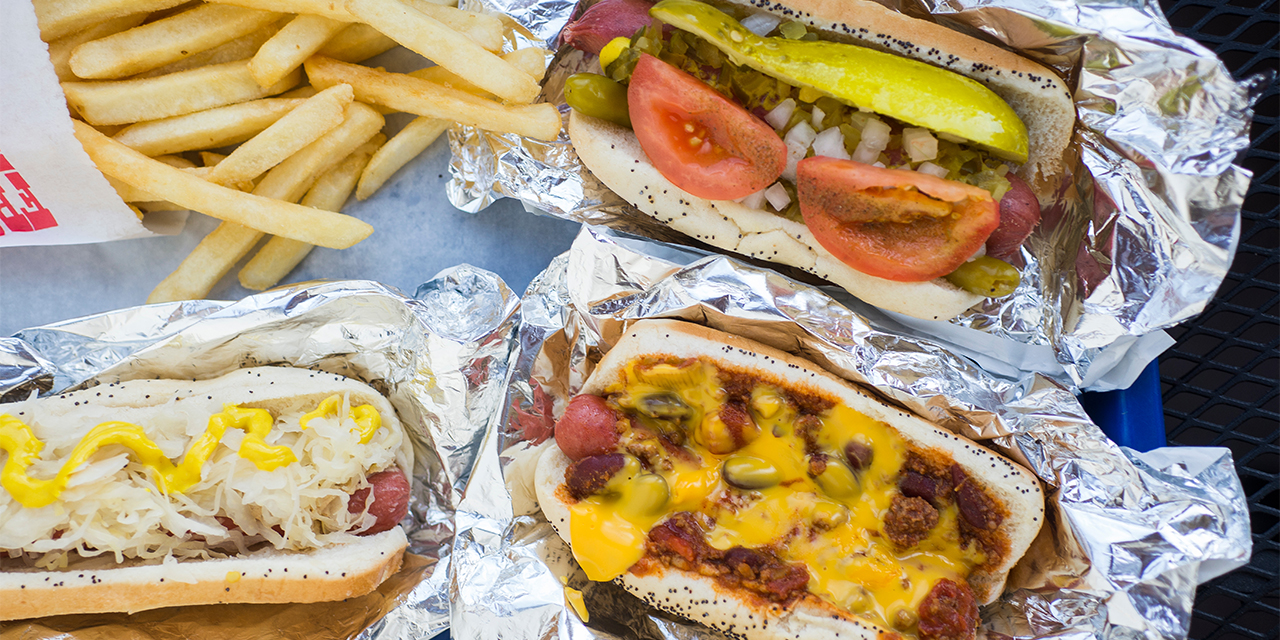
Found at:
(267, 95)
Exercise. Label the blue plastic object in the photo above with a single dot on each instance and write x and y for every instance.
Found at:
(1132, 417)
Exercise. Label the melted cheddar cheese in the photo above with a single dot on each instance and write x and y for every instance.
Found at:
(23, 447)
(833, 530)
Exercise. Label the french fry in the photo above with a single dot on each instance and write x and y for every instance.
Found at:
(158, 43)
(158, 205)
(332, 189)
(356, 43)
(206, 129)
(206, 264)
(174, 10)
(279, 255)
(285, 51)
(323, 228)
(511, 28)
(123, 101)
(331, 9)
(60, 49)
(412, 140)
(58, 18)
(128, 192)
(177, 162)
(286, 136)
(485, 28)
(290, 179)
(448, 48)
(301, 92)
(231, 241)
(411, 95)
(211, 159)
(238, 49)
(529, 60)
(476, 26)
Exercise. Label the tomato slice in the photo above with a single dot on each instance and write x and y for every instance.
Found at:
(698, 139)
(891, 223)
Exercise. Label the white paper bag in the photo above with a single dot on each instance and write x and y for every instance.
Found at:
(50, 191)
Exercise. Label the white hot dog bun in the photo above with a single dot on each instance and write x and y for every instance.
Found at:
(692, 593)
(1041, 100)
(114, 540)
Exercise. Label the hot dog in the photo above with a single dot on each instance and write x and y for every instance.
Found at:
(883, 153)
(753, 492)
(267, 484)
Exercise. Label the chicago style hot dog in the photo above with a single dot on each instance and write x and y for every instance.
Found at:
(749, 490)
(268, 484)
(894, 157)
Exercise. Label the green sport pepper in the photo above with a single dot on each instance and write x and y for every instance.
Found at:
(599, 97)
(986, 276)
(907, 90)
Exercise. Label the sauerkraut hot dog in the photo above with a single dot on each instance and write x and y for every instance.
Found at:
(751, 491)
(268, 484)
(889, 155)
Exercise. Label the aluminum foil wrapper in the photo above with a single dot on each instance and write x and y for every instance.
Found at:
(1128, 536)
(440, 357)
(1141, 234)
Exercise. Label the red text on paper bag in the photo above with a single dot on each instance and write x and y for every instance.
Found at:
(20, 210)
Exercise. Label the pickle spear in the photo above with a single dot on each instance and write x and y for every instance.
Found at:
(901, 88)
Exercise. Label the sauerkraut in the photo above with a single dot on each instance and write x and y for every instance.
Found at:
(113, 512)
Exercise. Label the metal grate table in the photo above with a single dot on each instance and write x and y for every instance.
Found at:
(1219, 382)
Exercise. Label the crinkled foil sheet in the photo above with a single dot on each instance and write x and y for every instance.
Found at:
(440, 356)
(1128, 535)
(1142, 232)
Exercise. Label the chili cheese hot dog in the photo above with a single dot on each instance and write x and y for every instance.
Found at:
(268, 484)
(889, 155)
(748, 490)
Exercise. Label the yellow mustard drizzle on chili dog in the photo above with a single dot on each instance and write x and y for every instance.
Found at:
(18, 440)
(849, 561)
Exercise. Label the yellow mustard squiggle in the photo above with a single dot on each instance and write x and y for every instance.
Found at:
(24, 449)
(365, 416)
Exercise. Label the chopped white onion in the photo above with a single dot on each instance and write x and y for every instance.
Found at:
(830, 143)
(932, 169)
(777, 196)
(802, 134)
(797, 140)
(879, 164)
(781, 114)
(865, 153)
(795, 153)
(816, 120)
(875, 137)
(761, 23)
(919, 144)
(875, 134)
(753, 201)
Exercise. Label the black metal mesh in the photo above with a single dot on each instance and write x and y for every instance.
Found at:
(1220, 380)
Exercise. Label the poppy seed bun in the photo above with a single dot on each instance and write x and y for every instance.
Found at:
(614, 155)
(165, 410)
(1039, 97)
(1041, 100)
(326, 574)
(701, 598)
